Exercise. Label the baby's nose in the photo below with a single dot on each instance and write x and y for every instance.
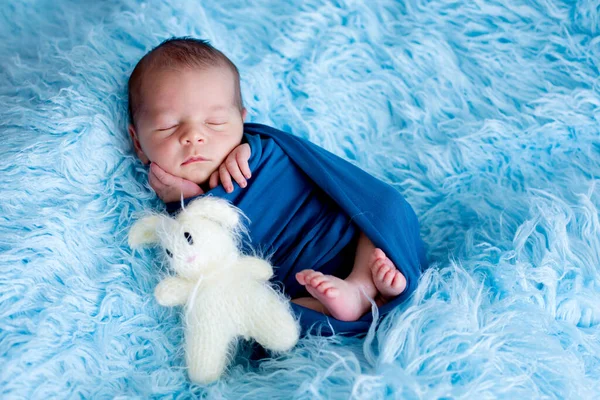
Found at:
(192, 135)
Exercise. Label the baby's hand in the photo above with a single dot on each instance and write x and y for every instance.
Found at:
(236, 166)
(170, 187)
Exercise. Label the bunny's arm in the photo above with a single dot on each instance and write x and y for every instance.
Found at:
(258, 268)
(173, 291)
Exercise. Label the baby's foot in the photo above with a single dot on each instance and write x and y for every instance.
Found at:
(342, 299)
(387, 279)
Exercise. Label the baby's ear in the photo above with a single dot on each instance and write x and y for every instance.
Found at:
(213, 208)
(144, 231)
(136, 144)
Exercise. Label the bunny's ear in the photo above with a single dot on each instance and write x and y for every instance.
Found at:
(213, 208)
(144, 231)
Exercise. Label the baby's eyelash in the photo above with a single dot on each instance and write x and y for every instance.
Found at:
(167, 129)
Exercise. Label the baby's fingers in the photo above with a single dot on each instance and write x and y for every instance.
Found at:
(225, 178)
(155, 183)
(234, 170)
(163, 176)
(242, 156)
(213, 181)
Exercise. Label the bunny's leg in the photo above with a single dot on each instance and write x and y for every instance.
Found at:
(207, 351)
(273, 324)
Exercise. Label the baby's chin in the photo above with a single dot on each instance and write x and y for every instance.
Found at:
(198, 177)
(199, 173)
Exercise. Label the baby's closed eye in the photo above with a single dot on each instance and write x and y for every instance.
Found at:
(218, 126)
(167, 129)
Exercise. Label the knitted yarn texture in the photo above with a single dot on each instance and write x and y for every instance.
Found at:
(226, 294)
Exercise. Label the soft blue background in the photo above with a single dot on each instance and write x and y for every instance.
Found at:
(484, 114)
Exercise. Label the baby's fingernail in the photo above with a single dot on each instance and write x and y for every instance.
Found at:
(229, 189)
(248, 175)
(243, 184)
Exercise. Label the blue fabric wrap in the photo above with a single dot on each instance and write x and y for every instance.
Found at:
(306, 207)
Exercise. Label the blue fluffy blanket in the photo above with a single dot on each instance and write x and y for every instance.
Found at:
(485, 115)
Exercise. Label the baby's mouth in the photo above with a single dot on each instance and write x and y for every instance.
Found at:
(194, 159)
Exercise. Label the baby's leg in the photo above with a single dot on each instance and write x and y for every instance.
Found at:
(344, 299)
(372, 266)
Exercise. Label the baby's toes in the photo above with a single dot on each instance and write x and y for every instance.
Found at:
(327, 288)
(382, 270)
(377, 255)
(388, 277)
(398, 282)
(379, 263)
(302, 276)
(316, 279)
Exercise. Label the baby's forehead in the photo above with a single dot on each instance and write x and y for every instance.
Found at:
(179, 69)
(152, 103)
(156, 75)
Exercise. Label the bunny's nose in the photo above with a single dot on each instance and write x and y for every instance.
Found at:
(190, 259)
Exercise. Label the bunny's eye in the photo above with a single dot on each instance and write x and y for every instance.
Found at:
(169, 253)
(188, 237)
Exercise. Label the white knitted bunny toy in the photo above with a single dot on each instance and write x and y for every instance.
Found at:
(226, 294)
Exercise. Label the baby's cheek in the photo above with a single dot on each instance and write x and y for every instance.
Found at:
(166, 156)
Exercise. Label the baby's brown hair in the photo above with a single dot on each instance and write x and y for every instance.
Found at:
(179, 52)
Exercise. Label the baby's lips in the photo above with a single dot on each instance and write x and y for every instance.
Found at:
(194, 159)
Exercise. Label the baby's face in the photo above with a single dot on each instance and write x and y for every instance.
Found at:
(188, 121)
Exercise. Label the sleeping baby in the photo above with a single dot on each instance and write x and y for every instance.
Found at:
(187, 123)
